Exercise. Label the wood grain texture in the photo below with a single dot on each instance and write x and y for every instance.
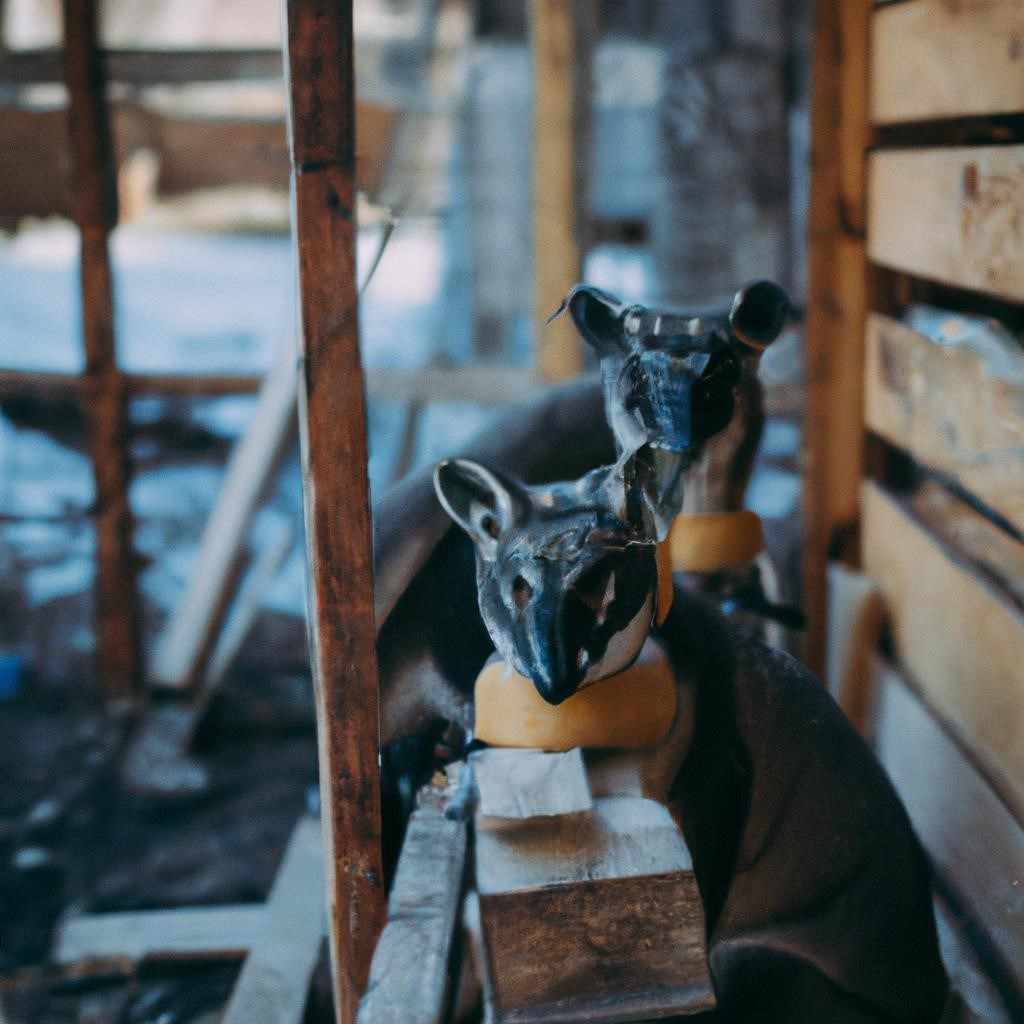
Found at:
(951, 215)
(591, 917)
(935, 59)
(837, 303)
(973, 840)
(960, 638)
(410, 975)
(187, 933)
(945, 408)
(193, 152)
(855, 619)
(517, 783)
(332, 420)
(193, 626)
(273, 985)
(95, 206)
(560, 62)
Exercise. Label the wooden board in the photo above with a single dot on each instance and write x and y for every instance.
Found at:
(950, 215)
(273, 985)
(974, 841)
(941, 405)
(855, 617)
(319, 58)
(591, 917)
(517, 783)
(409, 977)
(187, 933)
(192, 153)
(559, 55)
(959, 638)
(95, 210)
(186, 639)
(936, 59)
(837, 302)
(990, 550)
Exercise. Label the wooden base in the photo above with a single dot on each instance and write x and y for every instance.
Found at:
(590, 917)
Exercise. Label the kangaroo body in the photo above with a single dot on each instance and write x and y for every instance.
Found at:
(816, 893)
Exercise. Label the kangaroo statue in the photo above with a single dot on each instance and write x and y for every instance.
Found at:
(816, 894)
(704, 359)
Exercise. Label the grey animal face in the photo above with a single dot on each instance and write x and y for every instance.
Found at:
(566, 575)
(670, 379)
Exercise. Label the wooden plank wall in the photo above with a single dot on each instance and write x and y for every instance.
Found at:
(928, 495)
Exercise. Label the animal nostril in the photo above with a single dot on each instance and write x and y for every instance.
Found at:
(521, 591)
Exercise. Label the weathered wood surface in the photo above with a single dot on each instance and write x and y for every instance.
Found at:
(280, 939)
(960, 638)
(188, 933)
(181, 649)
(943, 406)
(273, 985)
(489, 385)
(990, 550)
(973, 840)
(560, 88)
(837, 302)
(193, 152)
(319, 62)
(855, 619)
(950, 215)
(515, 783)
(934, 59)
(95, 206)
(591, 917)
(410, 979)
(147, 67)
(158, 761)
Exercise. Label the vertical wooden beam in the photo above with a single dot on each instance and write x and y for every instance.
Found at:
(837, 302)
(332, 421)
(561, 32)
(105, 394)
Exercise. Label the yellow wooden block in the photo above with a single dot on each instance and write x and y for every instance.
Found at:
(715, 540)
(632, 710)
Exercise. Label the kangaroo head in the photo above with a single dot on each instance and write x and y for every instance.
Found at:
(670, 379)
(566, 574)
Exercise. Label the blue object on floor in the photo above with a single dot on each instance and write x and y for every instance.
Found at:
(11, 666)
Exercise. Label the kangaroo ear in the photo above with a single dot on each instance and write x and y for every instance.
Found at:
(758, 314)
(597, 316)
(481, 503)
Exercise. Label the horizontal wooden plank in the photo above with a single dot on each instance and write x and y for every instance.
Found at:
(960, 638)
(950, 215)
(973, 840)
(193, 152)
(224, 932)
(990, 550)
(936, 59)
(147, 67)
(485, 384)
(944, 406)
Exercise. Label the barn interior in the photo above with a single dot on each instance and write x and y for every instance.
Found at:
(159, 704)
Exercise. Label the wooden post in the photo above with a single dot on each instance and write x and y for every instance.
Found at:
(561, 101)
(332, 421)
(837, 303)
(105, 394)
